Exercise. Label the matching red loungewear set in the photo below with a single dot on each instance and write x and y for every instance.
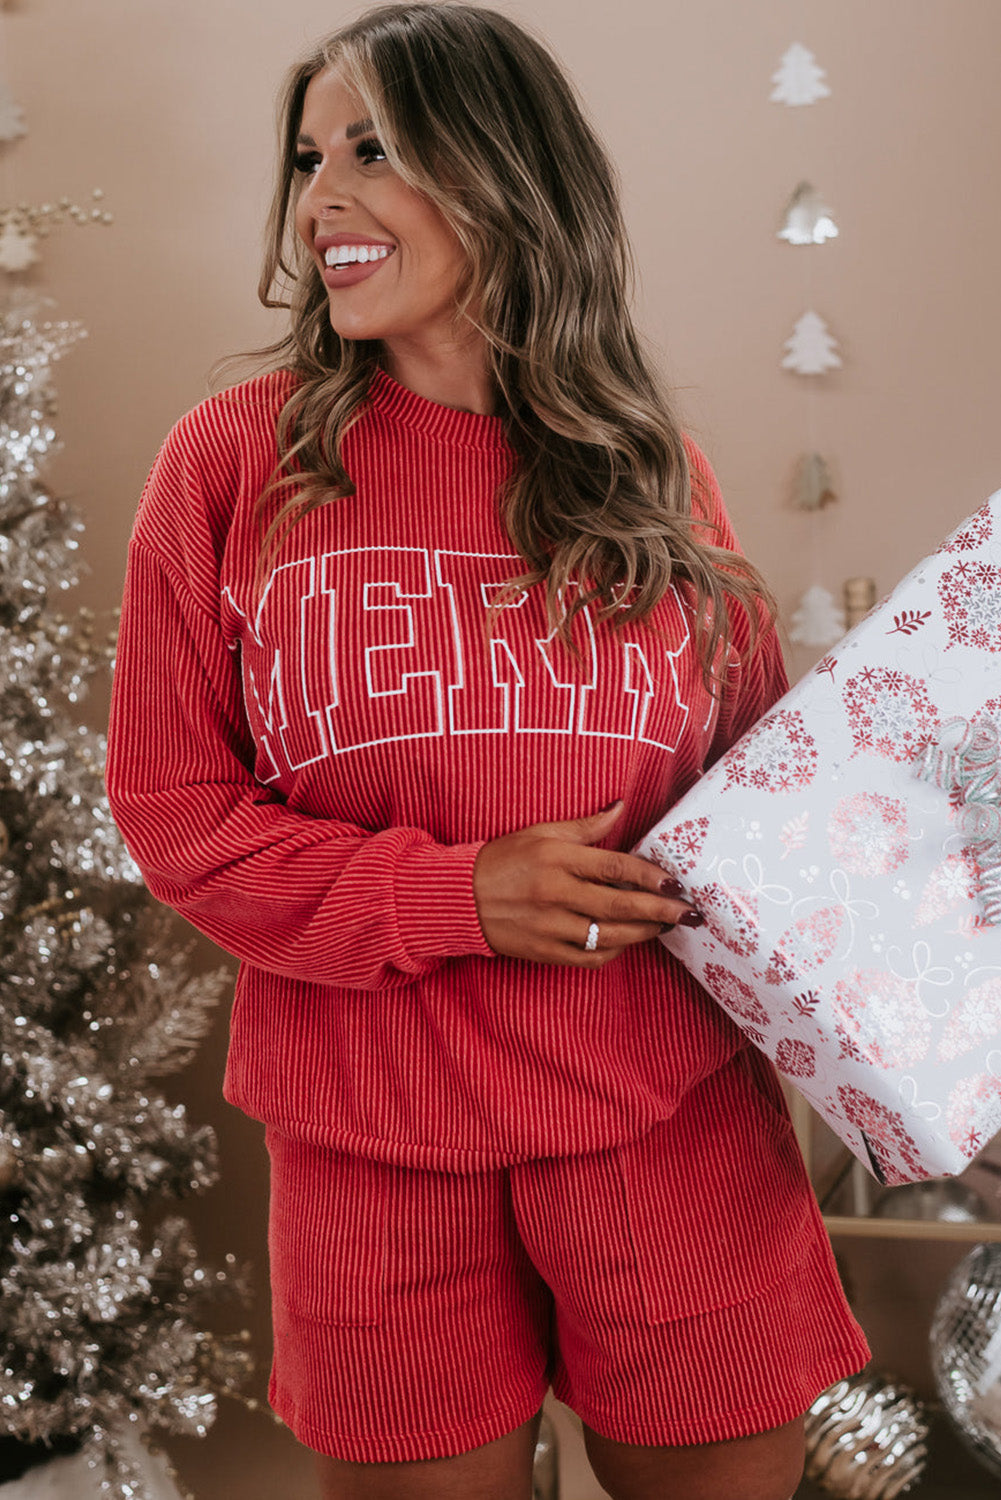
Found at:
(487, 1175)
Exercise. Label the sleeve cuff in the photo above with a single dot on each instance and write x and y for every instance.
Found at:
(435, 907)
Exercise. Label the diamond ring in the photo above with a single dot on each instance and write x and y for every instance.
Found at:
(592, 938)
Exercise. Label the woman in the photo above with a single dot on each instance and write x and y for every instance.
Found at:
(422, 630)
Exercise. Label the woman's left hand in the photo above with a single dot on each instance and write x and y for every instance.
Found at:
(544, 893)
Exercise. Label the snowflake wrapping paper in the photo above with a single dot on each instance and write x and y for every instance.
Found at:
(846, 929)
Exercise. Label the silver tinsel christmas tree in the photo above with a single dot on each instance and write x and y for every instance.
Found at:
(101, 1288)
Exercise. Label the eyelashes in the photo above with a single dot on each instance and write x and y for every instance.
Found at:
(368, 151)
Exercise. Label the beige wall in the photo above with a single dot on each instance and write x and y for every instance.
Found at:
(166, 105)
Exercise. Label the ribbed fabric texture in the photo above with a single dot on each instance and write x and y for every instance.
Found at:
(679, 1289)
(308, 776)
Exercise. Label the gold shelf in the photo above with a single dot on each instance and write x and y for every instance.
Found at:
(828, 1176)
(848, 1225)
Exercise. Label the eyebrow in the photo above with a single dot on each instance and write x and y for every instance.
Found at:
(356, 128)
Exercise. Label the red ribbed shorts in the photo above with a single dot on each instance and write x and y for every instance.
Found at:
(676, 1289)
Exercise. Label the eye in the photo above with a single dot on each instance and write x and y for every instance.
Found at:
(306, 162)
(369, 151)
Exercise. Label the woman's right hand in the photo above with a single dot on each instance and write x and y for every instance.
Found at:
(539, 890)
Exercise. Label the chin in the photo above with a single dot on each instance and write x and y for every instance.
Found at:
(355, 332)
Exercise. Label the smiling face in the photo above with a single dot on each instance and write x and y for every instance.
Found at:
(388, 258)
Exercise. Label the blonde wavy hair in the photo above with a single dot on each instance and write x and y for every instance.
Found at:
(475, 114)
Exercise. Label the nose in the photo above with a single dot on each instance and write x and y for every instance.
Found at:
(325, 192)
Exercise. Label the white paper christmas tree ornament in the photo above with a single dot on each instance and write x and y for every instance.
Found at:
(814, 486)
(11, 118)
(808, 220)
(799, 80)
(812, 349)
(817, 621)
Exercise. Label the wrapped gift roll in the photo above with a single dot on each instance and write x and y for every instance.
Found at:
(846, 854)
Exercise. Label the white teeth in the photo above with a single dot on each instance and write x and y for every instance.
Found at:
(349, 255)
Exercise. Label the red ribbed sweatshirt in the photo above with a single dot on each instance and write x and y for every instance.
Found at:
(307, 775)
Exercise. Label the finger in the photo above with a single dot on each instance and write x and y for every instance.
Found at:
(575, 954)
(572, 956)
(593, 936)
(551, 949)
(589, 830)
(614, 867)
(557, 888)
(608, 904)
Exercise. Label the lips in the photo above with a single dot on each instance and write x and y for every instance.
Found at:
(323, 242)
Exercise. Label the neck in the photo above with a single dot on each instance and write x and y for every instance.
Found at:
(454, 375)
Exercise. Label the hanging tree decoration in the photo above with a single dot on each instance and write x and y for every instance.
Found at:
(808, 220)
(818, 620)
(11, 116)
(812, 349)
(799, 80)
(814, 486)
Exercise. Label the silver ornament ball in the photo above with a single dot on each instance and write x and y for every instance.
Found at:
(965, 1341)
(942, 1201)
(866, 1439)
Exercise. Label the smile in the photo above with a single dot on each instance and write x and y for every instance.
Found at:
(351, 255)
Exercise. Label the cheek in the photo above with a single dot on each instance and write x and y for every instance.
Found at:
(442, 251)
(303, 221)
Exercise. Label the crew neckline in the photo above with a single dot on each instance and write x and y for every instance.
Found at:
(444, 423)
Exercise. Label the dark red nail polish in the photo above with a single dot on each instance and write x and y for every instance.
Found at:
(691, 919)
(671, 887)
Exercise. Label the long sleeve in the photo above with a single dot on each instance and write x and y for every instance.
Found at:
(297, 895)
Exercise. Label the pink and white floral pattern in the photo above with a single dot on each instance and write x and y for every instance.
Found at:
(736, 996)
(731, 916)
(951, 886)
(780, 756)
(973, 1113)
(868, 833)
(796, 1058)
(973, 1020)
(971, 602)
(879, 1019)
(680, 846)
(889, 712)
(884, 1127)
(808, 944)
